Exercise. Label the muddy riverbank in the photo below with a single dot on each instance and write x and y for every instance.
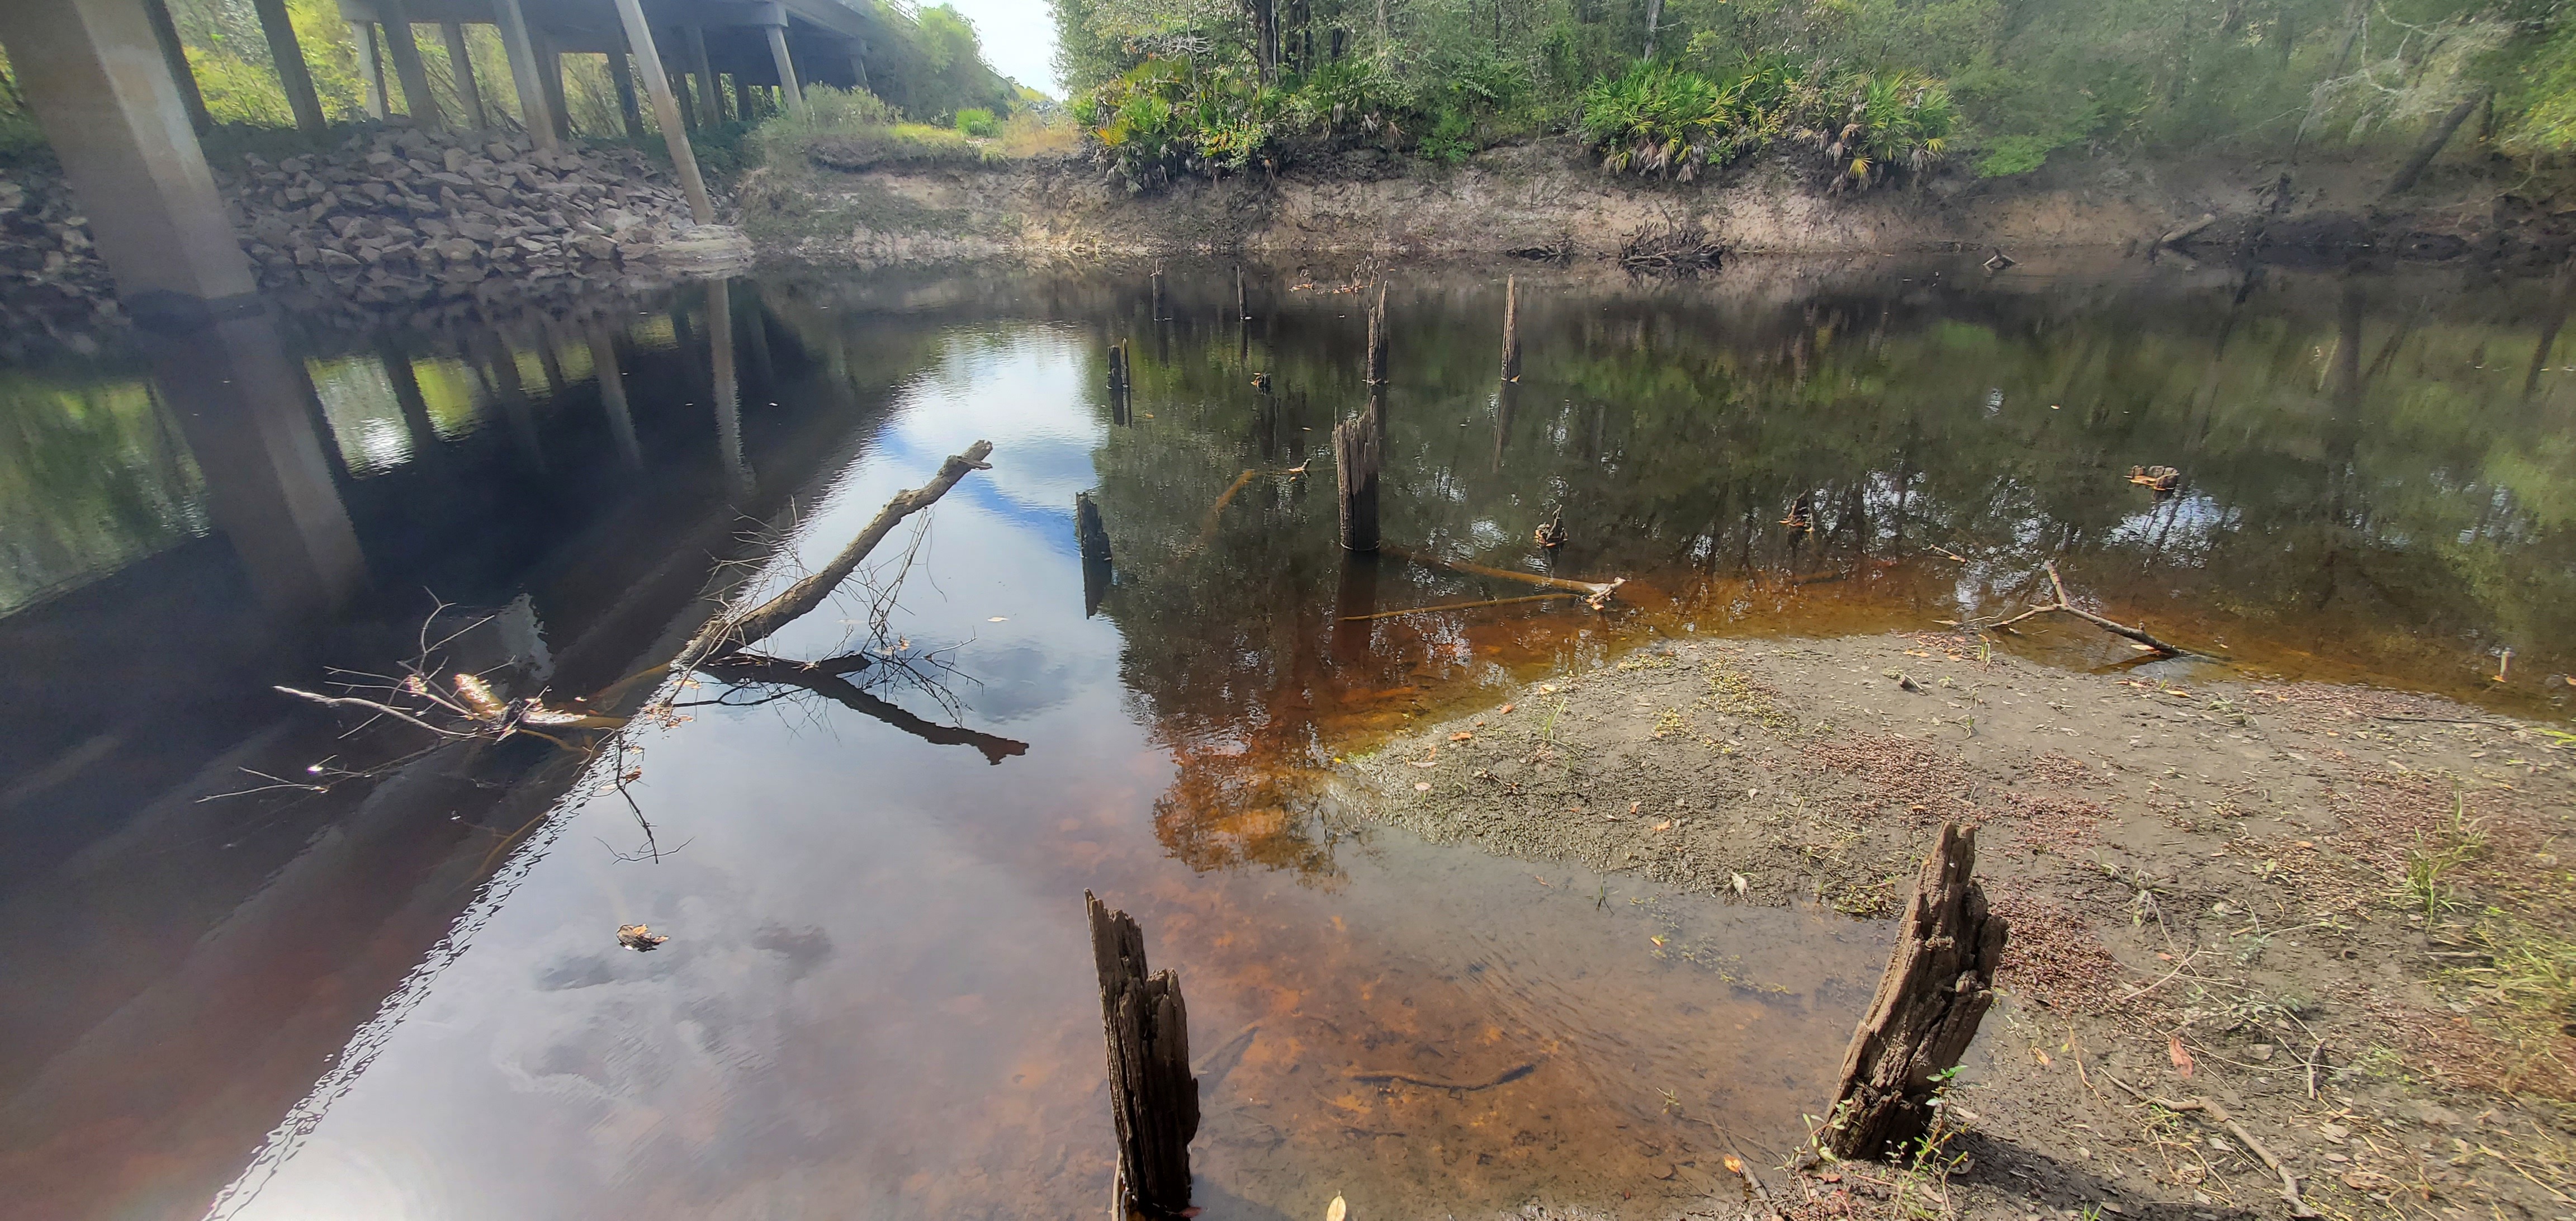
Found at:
(2337, 911)
(1548, 195)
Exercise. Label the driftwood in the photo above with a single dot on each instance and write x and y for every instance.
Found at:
(2218, 1115)
(1505, 1077)
(1673, 248)
(1596, 593)
(733, 633)
(2180, 234)
(1152, 1096)
(1939, 981)
(2431, 146)
(1356, 454)
(2138, 634)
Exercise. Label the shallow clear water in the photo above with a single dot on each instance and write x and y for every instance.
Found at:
(401, 997)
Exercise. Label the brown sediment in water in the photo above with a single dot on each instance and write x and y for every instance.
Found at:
(2305, 898)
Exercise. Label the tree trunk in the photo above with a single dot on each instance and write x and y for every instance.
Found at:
(1654, 17)
(1938, 984)
(2431, 146)
(291, 72)
(1152, 1095)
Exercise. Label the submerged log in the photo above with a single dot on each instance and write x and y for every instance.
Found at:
(1356, 454)
(1939, 982)
(1595, 593)
(1152, 1095)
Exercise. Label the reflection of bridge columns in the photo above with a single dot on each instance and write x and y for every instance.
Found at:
(94, 75)
(728, 392)
(240, 400)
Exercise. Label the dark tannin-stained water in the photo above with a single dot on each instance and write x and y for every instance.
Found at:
(268, 965)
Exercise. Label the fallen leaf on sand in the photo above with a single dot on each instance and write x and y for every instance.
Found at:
(2043, 1057)
(2181, 1059)
(1422, 786)
(1461, 736)
(1734, 1165)
(1504, 709)
(1665, 825)
(1736, 881)
(1336, 1211)
(2367, 1180)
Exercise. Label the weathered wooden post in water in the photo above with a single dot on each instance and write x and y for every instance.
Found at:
(1511, 329)
(1356, 452)
(1939, 981)
(1118, 409)
(1152, 1095)
(1091, 538)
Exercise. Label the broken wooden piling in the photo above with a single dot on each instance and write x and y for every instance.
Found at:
(1357, 448)
(1120, 412)
(1377, 373)
(1511, 329)
(1087, 529)
(1939, 982)
(1152, 1096)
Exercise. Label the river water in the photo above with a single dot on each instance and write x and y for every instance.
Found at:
(268, 965)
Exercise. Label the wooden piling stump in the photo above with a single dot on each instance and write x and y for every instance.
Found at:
(1939, 982)
(1152, 1095)
(1511, 329)
(1377, 372)
(1356, 453)
(1087, 528)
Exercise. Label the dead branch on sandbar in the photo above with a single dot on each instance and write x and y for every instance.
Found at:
(1596, 594)
(2138, 634)
(2218, 1115)
(732, 633)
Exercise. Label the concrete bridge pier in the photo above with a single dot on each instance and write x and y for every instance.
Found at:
(93, 73)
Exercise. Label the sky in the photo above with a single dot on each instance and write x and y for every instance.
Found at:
(1019, 39)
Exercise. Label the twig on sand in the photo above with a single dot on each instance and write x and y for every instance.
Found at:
(2137, 634)
(2218, 1114)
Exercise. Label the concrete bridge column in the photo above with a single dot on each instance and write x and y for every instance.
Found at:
(166, 32)
(666, 108)
(515, 38)
(550, 73)
(710, 107)
(93, 75)
(289, 57)
(787, 85)
(408, 67)
(461, 64)
(371, 69)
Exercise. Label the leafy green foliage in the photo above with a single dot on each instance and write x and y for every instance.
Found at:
(976, 121)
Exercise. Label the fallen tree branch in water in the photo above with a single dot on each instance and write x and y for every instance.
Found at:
(348, 701)
(1450, 606)
(2137, 634)
(824, 680)
(1595, 593)
(736, 632)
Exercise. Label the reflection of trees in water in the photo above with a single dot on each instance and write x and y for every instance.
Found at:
(2362, 476)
